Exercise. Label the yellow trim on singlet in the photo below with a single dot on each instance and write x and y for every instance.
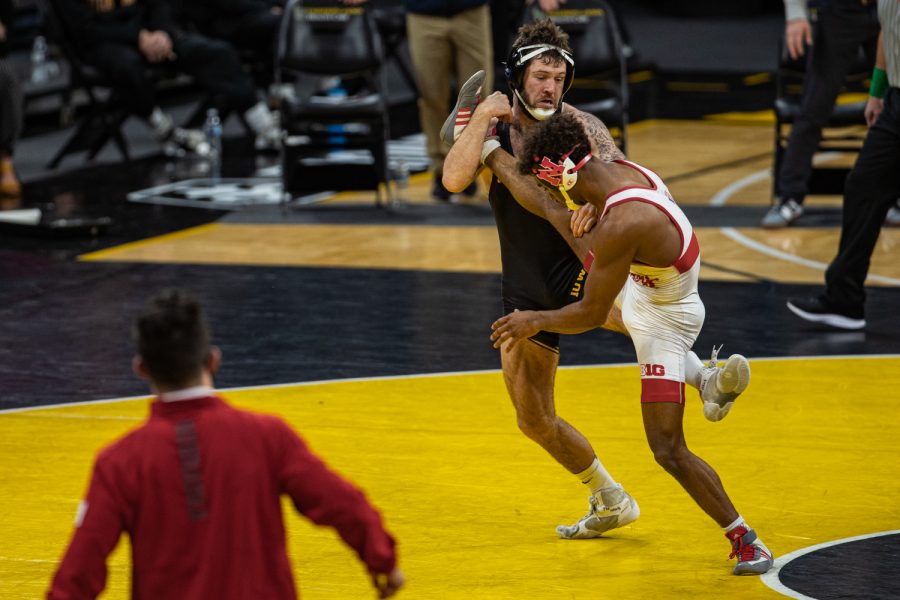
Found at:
(543, 345)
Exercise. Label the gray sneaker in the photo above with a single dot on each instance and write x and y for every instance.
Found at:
(720, 386)
(782, 214)
(615, 508)
(468, 99)
(893, 216)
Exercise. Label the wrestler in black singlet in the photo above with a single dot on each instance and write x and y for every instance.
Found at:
(540, 271)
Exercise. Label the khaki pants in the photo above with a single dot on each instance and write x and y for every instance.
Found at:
(443, 48)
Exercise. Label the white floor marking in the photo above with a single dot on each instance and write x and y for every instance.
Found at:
(721, 197)
(771, 578)
(423, 375)
(742, 239)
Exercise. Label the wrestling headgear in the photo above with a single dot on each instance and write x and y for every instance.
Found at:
(561, 175)
(514, 69)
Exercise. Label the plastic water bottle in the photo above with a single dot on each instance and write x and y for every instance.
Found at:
(212, 129)
(401, 182)
(39, 71)
(336, 132)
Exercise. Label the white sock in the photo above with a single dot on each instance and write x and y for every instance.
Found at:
(260, 118)
(736, 523)
(692, 369)
(596, 477)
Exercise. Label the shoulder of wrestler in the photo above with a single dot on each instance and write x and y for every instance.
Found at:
(628, 221)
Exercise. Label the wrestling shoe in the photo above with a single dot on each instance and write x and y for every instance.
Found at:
(618, 508)
(468, 99)
(720, 386)
(752, 555)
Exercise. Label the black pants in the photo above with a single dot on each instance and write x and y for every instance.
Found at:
(840, 30)
(214, 64)
(10, 107)
(256, 32)
(872, 187)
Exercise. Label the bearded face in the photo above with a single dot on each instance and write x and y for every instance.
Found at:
(543, 83)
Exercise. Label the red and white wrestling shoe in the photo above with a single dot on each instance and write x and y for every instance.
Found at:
(468, 99)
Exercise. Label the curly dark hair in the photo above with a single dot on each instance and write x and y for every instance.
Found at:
(542, 31)
(553, 138)
(172, 337)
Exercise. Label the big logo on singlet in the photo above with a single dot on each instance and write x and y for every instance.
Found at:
(644, 280)
(651, 370)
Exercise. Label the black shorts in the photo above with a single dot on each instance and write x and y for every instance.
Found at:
(553, 299)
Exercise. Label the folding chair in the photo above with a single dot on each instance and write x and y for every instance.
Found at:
(325, 38)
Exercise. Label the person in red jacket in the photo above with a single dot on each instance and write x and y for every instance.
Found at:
(198, 486)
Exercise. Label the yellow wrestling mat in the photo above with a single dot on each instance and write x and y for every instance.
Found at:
(808, 455)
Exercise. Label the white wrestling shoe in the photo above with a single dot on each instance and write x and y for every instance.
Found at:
(618, 508)
(720, 386)
(468, 99)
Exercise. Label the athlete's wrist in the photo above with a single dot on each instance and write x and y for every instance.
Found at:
(489, 145)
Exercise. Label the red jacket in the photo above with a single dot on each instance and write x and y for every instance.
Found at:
(197, 488)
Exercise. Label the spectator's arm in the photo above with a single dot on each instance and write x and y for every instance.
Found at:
(98, 525)
(797, 29)
(795, 9)
(160, 16)
(875, 102)
(93, 29)
(326, 498)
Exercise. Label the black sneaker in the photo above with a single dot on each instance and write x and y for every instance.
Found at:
(438, 191)
(816, 310)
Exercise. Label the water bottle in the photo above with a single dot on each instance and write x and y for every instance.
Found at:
(401, 182)
(39, 72)
(336, 131)
(212, 129)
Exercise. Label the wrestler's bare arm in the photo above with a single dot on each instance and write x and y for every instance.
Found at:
(615, 244)
(602, 143)
(535, 199)
(463, 161)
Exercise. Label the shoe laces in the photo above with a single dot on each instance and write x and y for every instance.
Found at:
(743, 551)
(714, 357)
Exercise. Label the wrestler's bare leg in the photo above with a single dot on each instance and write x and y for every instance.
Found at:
(529, 371)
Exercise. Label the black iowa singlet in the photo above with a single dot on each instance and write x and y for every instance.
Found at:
(540, 271)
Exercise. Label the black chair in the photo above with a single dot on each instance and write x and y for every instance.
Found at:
(322, 38)
(390, 17)
(846, 126)
(601, 75)
(104, 115)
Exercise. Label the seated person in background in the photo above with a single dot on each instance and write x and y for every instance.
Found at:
(122, 38)
(250, 25)
(10, 109)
